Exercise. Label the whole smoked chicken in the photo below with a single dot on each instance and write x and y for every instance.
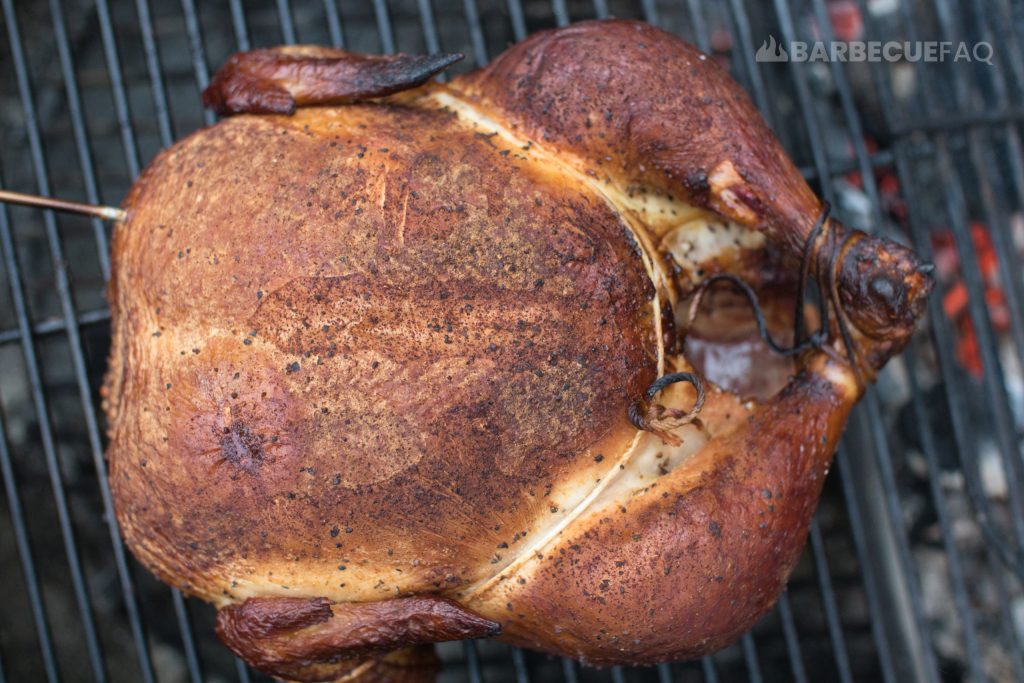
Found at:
(398, 362)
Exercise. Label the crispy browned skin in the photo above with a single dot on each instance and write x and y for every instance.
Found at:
(388, 349)
(687, 567)
(296, 637)
(276, 80)
(643, 106)
(409, 343)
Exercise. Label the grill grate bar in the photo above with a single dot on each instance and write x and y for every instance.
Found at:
(617, 675)
(515, 11)
(750, 657)
(49, 447)
(1012, 17)
(698, 26)
(872, 592)
(650, 12)
(429, 26)
(195, 44)
(472, 661)
(982, 323)
(284, 13)
(569, 671)
(870, 406)
(954, 122)
(804, 100)
(995, 217)
(921, 653)
(979, 499)
(959, 589)
(1011, 286)
(238, 23)
(944, 13)
(923, 644)
(195, 670)
(476, 32)
(561, 12)
(155, 71)
(749, 74)
(1010, 632)
(430, 36)
(943, 343)
(828, 599)
(519, 664)
(978, 310)
(117, 87)
(960, 596)
(942, 337)
(1012, 20)
(861, 153)
(992, 368)
(54, 325)
(384, 30)
(707, 666)
(21, 539)
(127, 583)
(792, 639)
(39, 168)
(242, 671)
(74, 101)
(334, 29)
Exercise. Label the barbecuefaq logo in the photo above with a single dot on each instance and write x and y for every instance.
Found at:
(874, 51)
(771, 51)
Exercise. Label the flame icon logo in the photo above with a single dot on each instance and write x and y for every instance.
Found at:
(771, 51)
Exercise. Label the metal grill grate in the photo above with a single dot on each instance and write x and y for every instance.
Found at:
(915, 561)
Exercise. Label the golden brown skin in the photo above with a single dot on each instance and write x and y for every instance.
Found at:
(277, 80)
(646, 107)
(385, 352)
(685, 568)
(292, 637)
